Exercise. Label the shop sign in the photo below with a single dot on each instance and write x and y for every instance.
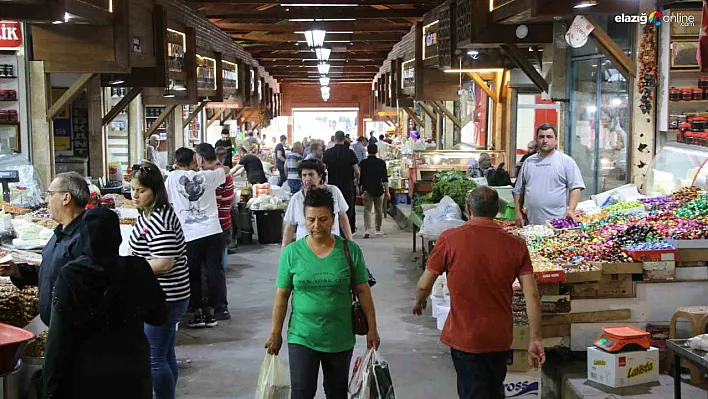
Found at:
(10, 34)
(430, 40)
(137, 47)
(579, 32)
(212, 105)
(408, 74)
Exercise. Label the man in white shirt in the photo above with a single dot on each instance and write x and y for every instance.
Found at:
(312, 172)
(192, 194)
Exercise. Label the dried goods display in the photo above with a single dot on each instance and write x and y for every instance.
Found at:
(15, 210)
(128, 221)
(17, 307)
(36, 348)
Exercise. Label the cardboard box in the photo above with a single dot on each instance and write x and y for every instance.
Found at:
(548, 289)
(555, 276)
(525, 385)
(623, 369)
(659, 333)
(662, 271)
(582, 277)
(521, 338)
(609, 286)
(555, 304)
(621, 268)
(686, 244)
(654, 255)
(693, 255)
(518, 361)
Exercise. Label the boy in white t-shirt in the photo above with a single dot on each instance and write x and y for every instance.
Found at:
(192, 194)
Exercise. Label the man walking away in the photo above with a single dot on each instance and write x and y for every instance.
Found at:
(206, 158)
(374, 185)
(479, 327)
(291, 163)
(316, 152)
(343, 172)
(359, 148)
(192, 194)
(225, 142)
(280, 159)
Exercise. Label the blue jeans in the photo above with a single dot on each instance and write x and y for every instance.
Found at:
(305, 369)
(480, 375)
(162, 351)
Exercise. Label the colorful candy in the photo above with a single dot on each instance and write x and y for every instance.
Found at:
(565, 223)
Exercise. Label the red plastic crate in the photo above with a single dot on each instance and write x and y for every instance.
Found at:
(12, 343)
(554, 276)
(655, 255)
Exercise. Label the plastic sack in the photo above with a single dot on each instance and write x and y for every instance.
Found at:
(371, 378)
(445, 215)
(273, 380)
(699, 342)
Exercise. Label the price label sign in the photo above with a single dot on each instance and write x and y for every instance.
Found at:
(10, 34)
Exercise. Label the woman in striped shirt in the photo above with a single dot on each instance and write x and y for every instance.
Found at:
(157, 237)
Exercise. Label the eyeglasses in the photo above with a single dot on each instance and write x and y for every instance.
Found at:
(140, 169)
(48, 194)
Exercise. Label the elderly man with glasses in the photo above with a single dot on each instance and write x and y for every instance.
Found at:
(66, 198)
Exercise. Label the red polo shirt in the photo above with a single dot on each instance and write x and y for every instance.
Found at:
(482, 261)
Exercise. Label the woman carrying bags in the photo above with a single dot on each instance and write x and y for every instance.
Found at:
(157, 237)
(318, 274)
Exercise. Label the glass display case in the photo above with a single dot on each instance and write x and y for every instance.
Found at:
(675, 166)
(28, 191)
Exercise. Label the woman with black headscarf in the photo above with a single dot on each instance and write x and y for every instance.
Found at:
(96, 346)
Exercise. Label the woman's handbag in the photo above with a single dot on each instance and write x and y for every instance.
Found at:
(359, 321)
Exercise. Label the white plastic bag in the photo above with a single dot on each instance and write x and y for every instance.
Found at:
(445, 215)
(273, 380)
(699, 342)
(371, 378)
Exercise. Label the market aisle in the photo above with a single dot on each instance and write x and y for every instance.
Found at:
(225, 361)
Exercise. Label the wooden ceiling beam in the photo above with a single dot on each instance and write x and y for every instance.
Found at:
(313, 65)
(303, 26)
(364, 55)
(281, 13)
(336, 47)
(360, 2)
(295, 37)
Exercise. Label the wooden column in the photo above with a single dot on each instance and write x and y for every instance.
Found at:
(179, 130)
(135, 129)
(173, 128)
(42, 134)
(97, 136)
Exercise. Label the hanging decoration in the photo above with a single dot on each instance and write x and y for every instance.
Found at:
(647, 79)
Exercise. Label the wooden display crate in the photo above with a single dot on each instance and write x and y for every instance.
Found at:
(582, 276)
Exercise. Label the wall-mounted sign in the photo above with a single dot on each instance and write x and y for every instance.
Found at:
(10, 34)
(430, 40)
(579, 32)
(223, 105)
(137, 46)
(408, 74)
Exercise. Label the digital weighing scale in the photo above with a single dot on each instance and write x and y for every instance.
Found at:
(623, 339)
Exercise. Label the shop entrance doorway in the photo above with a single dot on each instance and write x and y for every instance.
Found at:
(321, 123)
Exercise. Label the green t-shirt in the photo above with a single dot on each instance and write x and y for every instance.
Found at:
(321, 317)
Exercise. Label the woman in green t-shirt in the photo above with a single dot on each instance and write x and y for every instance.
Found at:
(315, 271)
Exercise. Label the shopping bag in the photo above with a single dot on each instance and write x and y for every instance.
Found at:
(360, 383)
(272, 380)
(381, 384)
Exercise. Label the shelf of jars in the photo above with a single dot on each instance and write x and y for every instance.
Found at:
(230, 77)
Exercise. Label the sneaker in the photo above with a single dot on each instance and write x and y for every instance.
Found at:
(197, 321)
(367, 234)
(222, 315)
(379, 232)
(210, 320)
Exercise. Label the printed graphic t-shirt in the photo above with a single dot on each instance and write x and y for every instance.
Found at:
(321, 317)
(193, 197)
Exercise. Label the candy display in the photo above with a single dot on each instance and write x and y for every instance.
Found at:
(624, 206)
(649, 246)
(535, 231)
(686, 194)
(541, 264)
(565, 223)
(693, 209)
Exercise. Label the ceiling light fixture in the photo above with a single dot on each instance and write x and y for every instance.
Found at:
(323, 53)
(323, 68)
(338, 32)
(57, 22)
(315, 37)
(116, 82)
(318, 5)
(586, 4)
(321, 19)
(324, 81)
(324, 89)
(478, 70)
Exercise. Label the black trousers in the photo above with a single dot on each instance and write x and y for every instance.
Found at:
(305, 369)
(480, 375)
(350, 196)
(207, 252)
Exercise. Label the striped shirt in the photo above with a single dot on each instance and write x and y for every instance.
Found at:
(161, 236)
(224, 200)
(291, 163)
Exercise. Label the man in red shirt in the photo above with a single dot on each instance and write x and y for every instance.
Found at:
(482, 261)
(206, 158)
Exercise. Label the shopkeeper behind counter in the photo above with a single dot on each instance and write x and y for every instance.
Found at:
(545, 180)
